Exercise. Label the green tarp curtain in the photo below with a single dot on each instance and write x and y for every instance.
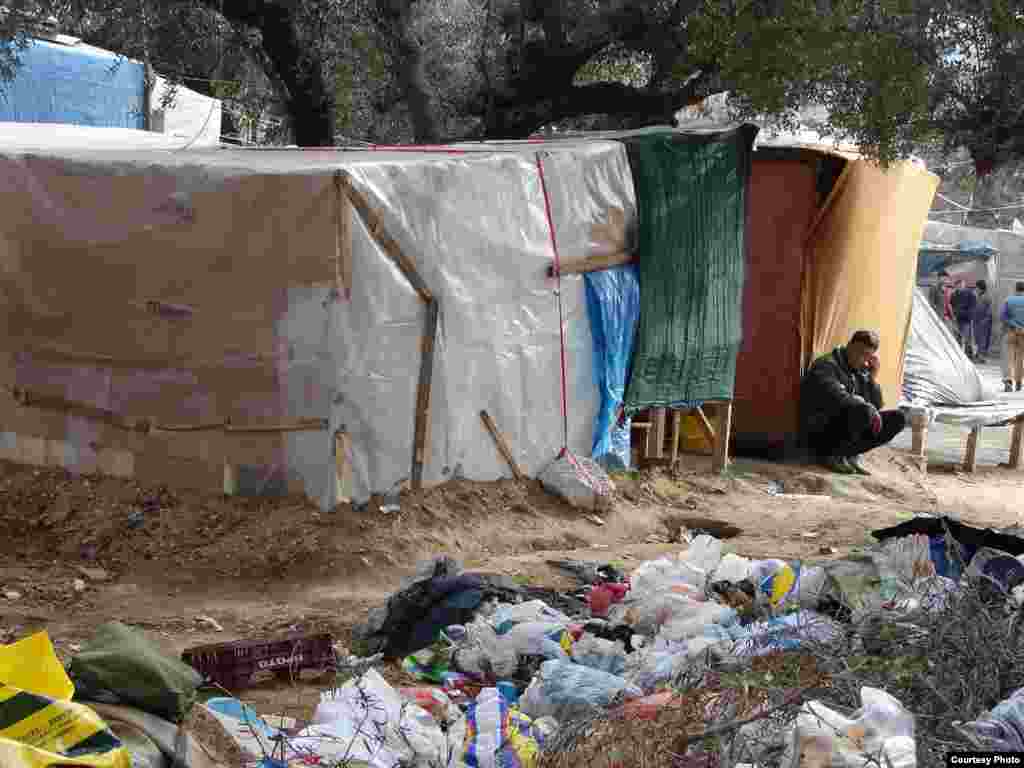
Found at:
(691, 192)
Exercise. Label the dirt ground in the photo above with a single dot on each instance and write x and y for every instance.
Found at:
(160, 559)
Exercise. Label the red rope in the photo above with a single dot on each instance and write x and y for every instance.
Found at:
(561, 315)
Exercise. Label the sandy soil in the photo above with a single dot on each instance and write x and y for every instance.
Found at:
(262, 567)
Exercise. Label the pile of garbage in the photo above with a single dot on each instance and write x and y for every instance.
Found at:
(508, 673)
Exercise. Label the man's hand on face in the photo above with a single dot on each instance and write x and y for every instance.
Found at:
(873, 364)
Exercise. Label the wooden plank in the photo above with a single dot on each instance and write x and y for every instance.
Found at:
(723, 430)
(343, 466)
(302, 425)
(423, 394)
(677, 429)
(919, 440)
(593, 263)
(375, 224)
(705, 425)
(1016, 441)
(971, 454)
(503, 449)
(650, 441)
(659, 431)
(343, 239)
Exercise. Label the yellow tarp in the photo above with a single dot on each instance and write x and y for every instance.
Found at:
(862, 263)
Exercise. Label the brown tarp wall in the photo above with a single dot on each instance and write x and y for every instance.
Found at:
(783, 201)
(121, 307)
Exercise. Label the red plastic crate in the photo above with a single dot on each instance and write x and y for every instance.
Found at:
(232, 665)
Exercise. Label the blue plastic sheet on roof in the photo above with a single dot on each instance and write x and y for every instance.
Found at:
(932, 257)
(80, 86)
(613, 306)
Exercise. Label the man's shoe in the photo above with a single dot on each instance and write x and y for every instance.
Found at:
(854, 463)
(838, 465)
(1009, 385)
(1019, 385)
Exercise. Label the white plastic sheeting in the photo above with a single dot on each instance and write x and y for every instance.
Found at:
(474, 224)
(477, 229)
(191, 118)
(940, 382)
(936, 371)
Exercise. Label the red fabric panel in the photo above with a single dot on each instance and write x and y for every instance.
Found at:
(782, 207)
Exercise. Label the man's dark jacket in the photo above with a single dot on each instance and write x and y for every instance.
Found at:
(829, 387)
(963, 302)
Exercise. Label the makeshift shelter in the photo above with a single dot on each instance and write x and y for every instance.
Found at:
(64, 81)
(324, 322)
(833, 248)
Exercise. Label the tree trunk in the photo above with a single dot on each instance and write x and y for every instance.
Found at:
(414, 86)
(298, 70)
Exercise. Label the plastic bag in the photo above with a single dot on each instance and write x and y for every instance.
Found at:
(1002, 729)
(605, 655)
(787, 633)
(507, 616)
(579, 480)
(776, 581)
(39, 724)
(252, 734)
(565, 691)
(694, 623)
(367, 720)
(732, 568)
(482, 655)
(704, 553)
(499, 736)
(881, 730)
(666, 575)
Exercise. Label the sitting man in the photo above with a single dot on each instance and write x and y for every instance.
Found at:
(841, 413)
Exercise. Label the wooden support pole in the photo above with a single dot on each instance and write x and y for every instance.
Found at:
(649, 438)
(723, 431)
(502, 444)
(593, 263)
(375, 224)
(919, 437)
(705, 425)
(677, 428)
(659, 419)
(343, 466)
(1016, 440)
(423, 394)
(971, 454)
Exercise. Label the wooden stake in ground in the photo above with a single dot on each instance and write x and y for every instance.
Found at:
(503, 448)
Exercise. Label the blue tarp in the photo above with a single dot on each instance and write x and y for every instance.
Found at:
(80, 86)
(613, 305)
(932, 257)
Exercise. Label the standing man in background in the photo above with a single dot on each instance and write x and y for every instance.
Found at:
(963, 302)
(937, 294)
(1012, 318)
(983, 322)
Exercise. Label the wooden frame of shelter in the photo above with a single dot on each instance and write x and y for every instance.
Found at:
(919, 445)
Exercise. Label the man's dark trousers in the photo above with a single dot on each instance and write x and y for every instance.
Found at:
(849, 433)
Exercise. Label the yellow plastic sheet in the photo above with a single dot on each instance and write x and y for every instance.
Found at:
(862, 263)
(40, 726)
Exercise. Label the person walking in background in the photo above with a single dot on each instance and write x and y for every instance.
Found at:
(938, 296)
(983, 322)
(963, 302)
(1012, 318)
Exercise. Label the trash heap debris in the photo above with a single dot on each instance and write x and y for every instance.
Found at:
(510, 679)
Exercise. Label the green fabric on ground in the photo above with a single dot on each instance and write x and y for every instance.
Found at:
(691, 194)
(120, 665)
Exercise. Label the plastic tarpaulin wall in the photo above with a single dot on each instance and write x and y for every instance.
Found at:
(863, 261)
(936, 370)
(783, 201)
(691, 202)
(933, 257)
(237, 286)
(613, 306)
(74, 84)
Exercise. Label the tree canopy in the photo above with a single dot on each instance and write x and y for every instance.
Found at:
(890, 74)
